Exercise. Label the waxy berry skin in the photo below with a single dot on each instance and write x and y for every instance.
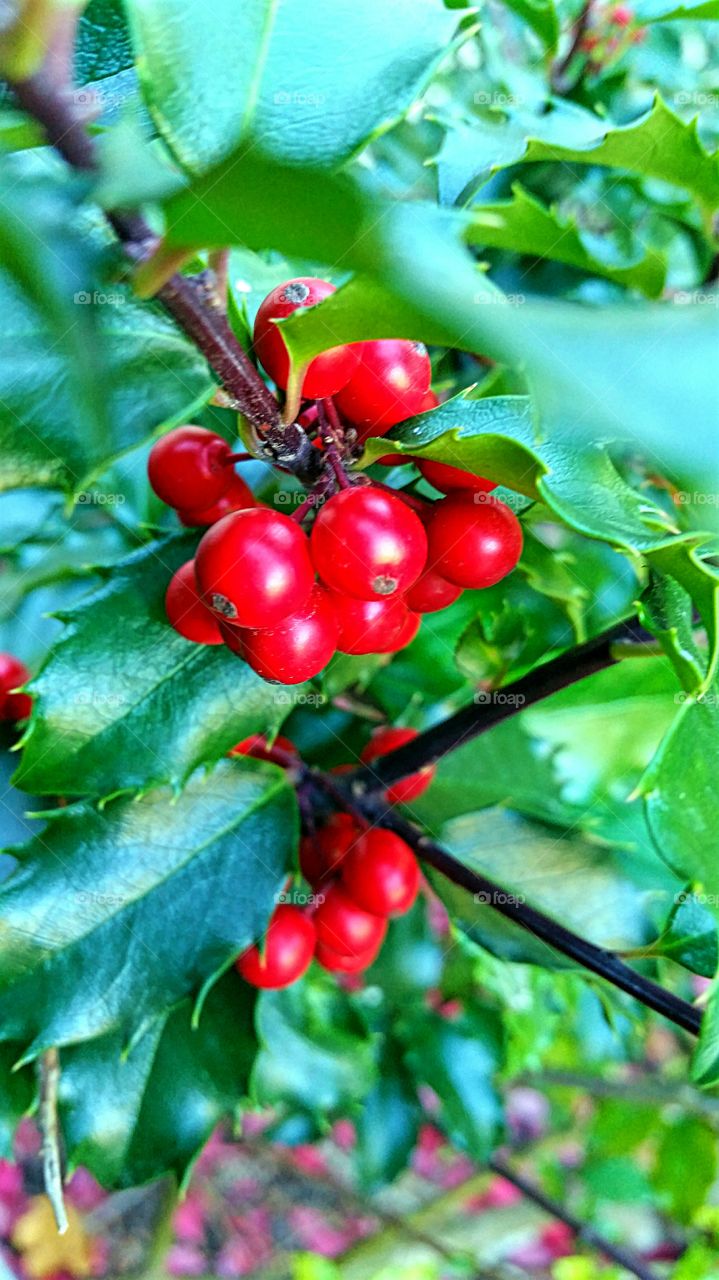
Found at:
(450, 479)
(471, 543)
(328, 372)
(369, 626)
(13, 673)
(285, 953)
(186, 611)
(298, 647)
(390, 384)
(186, 468)
(253, 567)
(381, 873)
(346, 962)
(258, 747)
(368, 544)
(236, 497)
(322, 853)
(389, 739)
(431, 592)
(344, 926)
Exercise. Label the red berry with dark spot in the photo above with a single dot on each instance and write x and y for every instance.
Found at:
(322, 853)
(431, 592)
(298, 647)
(449, 479)
(381, 873)
(13, 673)
(368, 544)
(186, 468)
(339, 962)
(369, 626)
(344, 926)
(473, 543)
(390, 383)
(236, 497)
(328, 372)
(386, 740)
(285, 953)
(186, 611)
(253, 567)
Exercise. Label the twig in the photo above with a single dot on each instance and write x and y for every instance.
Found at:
(49, 1078)
(558, 77)
(583, 1230)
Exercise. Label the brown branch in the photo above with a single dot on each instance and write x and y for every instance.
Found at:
(558, 76)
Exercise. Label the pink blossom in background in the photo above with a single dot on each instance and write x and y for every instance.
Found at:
(185, 1260)
(84, 1191)
(188, 1220)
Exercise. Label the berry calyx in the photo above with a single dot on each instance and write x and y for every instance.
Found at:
(186, 467)
(344, 926)
(322, 853)
(431, 592)
(236, 497)
(186, 612)
(471, 543)
(407, 789)
(449, 479)
(13, 673)
(285, 953)
(328, 372)
(344, 962)
(368, 543)
(381, 873)
(258, 748)
(253, 567)
(296, 648)
(369, 626)
(388, 385)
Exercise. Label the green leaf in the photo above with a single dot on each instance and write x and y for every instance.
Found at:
(316, 1053)
(683, 1185)
(541, 16)
(459, 1059)
(585, 886)
(124, 701)
(647, 11)
(17, 1094)
(116, 914)
(132, 1117)
(524, 225)
(103, 43)
(690, 937)
(307, 83)
(657, 145)
(387, 1127)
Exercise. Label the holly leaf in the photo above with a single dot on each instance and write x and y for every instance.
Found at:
(308, 84)
(525, 225)
(387, 1127)
(690, 937)
(541, 16)
(115, 914)
(124, 701)
(132, 1117)
(648, 11)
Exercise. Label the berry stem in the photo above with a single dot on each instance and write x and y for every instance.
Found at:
(333, 437)
(237, 457)
(559, 77)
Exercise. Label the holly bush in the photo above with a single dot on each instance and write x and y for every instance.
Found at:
(529, 189)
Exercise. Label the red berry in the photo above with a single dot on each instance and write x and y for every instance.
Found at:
(448, 479)
(286, 952)
(431, 592)
(13, 672)
(407, 634)
(339, 962)
(253, 567)
(389, 384)
(258, 747)
(298, 647)
(186, 612)
(368, 544)
(328, 371)
(409, 788)
(473, 544)
(322, 852)
(381, 873)
(186, 467)
(237, 496)
(369, 626)
(344, 926)
(622, 15)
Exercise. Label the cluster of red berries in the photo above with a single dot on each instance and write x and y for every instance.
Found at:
(611, 32)
(13, 673)
(373, 562)
(361, 878)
